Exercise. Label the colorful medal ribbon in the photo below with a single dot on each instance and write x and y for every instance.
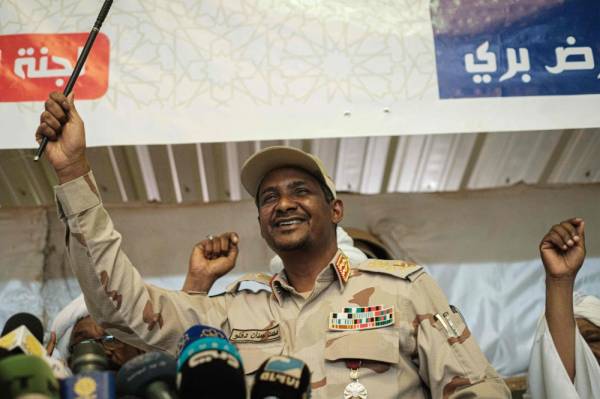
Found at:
(363, 318)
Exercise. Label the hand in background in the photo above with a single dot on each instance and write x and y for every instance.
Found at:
(563, 249)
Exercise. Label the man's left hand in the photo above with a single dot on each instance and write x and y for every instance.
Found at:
(211, 259)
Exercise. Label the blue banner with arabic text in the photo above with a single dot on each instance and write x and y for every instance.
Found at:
(516, 47)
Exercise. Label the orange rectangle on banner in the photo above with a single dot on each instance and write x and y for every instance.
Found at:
(33, 65)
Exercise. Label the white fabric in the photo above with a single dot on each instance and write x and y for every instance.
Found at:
(502, 303)
(65, 321)
(59, 366)
(587, 307)
(345, 243)
(548, 378)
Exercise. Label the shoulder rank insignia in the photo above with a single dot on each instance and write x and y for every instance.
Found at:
(361, 318)
(398, 268)
(342, 265)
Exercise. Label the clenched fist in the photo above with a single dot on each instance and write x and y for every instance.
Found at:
(63, 127)
(211, 259)
(563, 249)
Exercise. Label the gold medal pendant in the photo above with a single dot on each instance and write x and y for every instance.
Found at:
(355, 390)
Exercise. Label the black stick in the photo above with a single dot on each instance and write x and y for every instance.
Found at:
(82, 57)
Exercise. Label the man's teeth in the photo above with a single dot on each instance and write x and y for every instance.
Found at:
(289, 222)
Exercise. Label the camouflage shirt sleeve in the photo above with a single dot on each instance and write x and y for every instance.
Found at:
(450, 360)
(116, 296)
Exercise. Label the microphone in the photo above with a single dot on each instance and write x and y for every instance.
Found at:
(204, 364)
(4, 353)
(91, 379)
(282, 377)
(150, 375)
(196, 332)
(24, 319)
(88, 356)
(27, 375)
(23, 333)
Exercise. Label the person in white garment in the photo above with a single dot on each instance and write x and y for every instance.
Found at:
(73, 325)
(563, 365)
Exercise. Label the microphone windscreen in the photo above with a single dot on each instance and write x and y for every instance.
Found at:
(154, 371)
(282, 377)
(21, 341)
(22, 375)
(33, 324)
(210, 368)
(88, 356)
(196, 332)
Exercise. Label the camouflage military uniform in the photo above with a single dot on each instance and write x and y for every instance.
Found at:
(418, 355)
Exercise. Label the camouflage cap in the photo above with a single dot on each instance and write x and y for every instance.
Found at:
(258, 165)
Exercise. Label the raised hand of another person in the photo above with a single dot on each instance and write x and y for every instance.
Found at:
(63, 127)
(210, 259)
(563, 249)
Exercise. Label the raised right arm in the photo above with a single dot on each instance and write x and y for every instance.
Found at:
(117, 297)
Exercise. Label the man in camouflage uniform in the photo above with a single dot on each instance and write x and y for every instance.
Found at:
(381, 326)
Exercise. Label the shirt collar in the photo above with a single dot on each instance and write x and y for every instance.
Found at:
(337, 269)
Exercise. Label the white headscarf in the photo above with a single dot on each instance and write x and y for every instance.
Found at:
(65, 321)
(344, 242)
(587, 307)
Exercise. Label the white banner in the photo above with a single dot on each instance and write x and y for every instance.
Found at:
(183, 71)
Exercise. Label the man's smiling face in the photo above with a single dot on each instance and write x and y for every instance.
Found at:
(293, 211)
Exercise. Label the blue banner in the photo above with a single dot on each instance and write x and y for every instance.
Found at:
(516, 48)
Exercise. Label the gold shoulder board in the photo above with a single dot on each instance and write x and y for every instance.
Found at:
(260, 278)
(398, 268)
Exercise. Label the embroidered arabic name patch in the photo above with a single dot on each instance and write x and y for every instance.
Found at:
(254, 336)
(361, 318)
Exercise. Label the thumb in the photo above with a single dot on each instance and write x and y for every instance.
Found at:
(233, 250)
(72, 109)
(581, 233)
(234, 238)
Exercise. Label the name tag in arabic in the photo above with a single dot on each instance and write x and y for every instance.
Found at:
(255, 336)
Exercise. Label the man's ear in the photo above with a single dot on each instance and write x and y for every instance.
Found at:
(337, 211)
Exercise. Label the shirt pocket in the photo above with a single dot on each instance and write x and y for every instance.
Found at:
(379, 355)
(254, 354)
(377, 345)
